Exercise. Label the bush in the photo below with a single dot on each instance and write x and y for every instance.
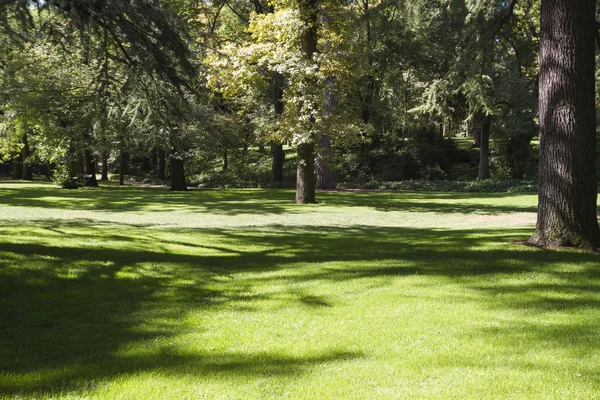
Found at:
(425, 155)
(490, 186)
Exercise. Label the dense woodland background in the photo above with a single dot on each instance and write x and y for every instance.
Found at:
(395, 90)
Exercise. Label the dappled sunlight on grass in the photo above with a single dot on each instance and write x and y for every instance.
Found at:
(281, 305)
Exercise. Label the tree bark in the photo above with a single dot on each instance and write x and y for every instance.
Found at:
(72, 166)
(17, 167)
(225, 159)
(277, 148)
(104, 168)
(162, 164)
(25, 153)
(122, 167)
(278, 160)
(305, 173)
(178, 182)
(567, 213)
(484, 148)
(90, 169)
(305, 178)
(324, 161)
(324, 165)
(475, 126)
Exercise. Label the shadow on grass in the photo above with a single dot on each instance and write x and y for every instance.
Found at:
(68, 314)
(249, 201)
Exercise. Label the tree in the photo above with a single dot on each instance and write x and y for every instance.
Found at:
(146, 33)
(567, 172)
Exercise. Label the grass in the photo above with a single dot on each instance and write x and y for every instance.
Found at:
(132, 293)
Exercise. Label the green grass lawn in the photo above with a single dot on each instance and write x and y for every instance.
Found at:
(131, 293)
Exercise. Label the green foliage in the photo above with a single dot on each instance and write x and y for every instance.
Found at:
(246, 169)
(424, 156)
(474, 186)
(245, 75)
(116, 76)
(147, 34)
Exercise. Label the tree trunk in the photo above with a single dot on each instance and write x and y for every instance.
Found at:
(324, 161)
(122, 167)
(177, 175)
(475, 127)
(17, 167)
(278, 160)
(305, 178)
(277, 148)
(162, 164)
(225, 159)
(367, 97)
(305, 173)
(484, 148)
(323, 165)
(25, 153)
(72, 166)
(567, 176)
(104, 168)
(90, 169)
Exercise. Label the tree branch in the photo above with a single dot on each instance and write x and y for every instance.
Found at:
(235, 12)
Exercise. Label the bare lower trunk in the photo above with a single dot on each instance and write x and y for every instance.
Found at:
(25, 154)
(178, 182)
(72, 167)
(122, 167)
(162, 164)
(17, 163)
(484, 148)
(324, 165)
(278, 160)
(567, 188)
(89, 169)
(277, 148)
(305, 177)
(475, 128)
(104, 168)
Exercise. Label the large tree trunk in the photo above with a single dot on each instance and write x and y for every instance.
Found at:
(324, 164)
(484, 148)
(305, 178)
(25, 153)
(278, 160)
(305, 174)
(567, 188)
(178, 182)
(90, 169)
(162, 164)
